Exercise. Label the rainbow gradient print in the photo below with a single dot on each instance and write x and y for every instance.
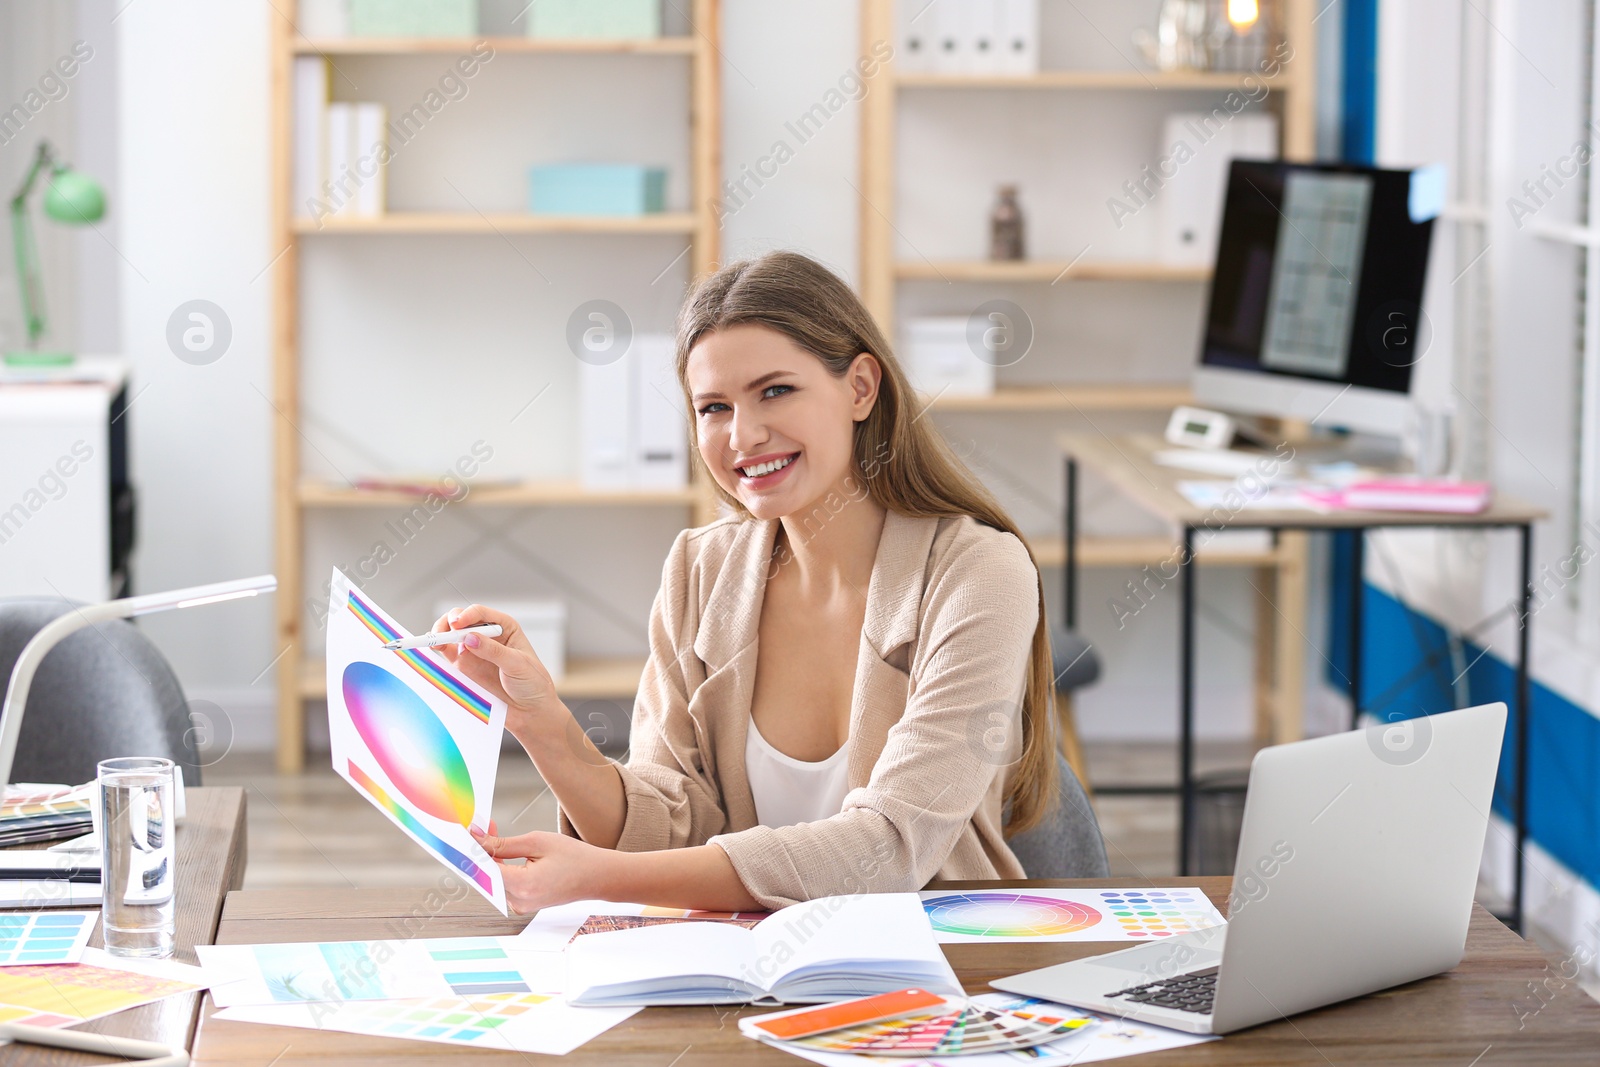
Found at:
(451, 855)
(1007, 915)
(409, 742)
(435, 675)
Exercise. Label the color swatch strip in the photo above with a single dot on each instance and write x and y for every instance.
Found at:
(435, 675)
(44, 937)
(449, 853)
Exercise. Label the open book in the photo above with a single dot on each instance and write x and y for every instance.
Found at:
(824, 949)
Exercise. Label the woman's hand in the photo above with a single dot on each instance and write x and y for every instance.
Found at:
(506, 665)
(558, 870)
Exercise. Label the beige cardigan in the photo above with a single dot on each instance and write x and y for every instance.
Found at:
(934, 718)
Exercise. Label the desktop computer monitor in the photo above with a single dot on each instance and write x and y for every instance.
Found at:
(1315, 306)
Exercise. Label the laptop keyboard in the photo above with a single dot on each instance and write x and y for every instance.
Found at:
(1187, 992)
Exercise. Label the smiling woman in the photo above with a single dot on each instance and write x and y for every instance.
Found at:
(849, 682)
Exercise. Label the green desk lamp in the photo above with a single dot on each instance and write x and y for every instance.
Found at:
(69, 197)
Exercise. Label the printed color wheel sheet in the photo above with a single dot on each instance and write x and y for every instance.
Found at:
(988, 915)
(413, 735)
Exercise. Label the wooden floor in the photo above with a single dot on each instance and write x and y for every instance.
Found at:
(313, 830)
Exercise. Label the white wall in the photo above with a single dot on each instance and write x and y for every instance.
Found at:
(428, 344)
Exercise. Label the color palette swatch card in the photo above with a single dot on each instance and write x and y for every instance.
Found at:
(416, 737)
(991, 915)
(329, 971)
(910, 1022)
(1101, 1037)
(555, 927)
(517, 1022)
(44, 937)
(61, 994)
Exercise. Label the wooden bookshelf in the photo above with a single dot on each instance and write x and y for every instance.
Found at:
(681, 45)
(465, 222)
(886, 271)
(295, 496)
(526, 494)
(584, 679)
(1046, 270)
(1105, 80)
(1128, 396)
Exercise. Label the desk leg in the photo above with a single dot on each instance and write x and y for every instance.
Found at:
(1186, 705)
(1524, 714)
(1069, 536)
(1358, 553)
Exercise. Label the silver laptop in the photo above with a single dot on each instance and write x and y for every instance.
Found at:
(1356, 869)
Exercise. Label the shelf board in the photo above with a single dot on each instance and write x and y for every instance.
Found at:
(585, 679)
(1139, 551)
(329, 495)
(1151, 80)
(415, 222)
(1110, 396)
(678, 45)
(1046, 270)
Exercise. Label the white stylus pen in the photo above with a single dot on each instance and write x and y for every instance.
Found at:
(444, 637)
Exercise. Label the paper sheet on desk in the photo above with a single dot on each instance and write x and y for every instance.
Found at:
(417, 738)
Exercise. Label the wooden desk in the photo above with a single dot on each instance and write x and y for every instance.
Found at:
(1448, 1020)
(211, 857)
(1127, 463)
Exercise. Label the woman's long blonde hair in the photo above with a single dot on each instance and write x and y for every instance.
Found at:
(912, 469)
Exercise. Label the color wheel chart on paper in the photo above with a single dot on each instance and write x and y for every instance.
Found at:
(1067, 914)
(416, 737)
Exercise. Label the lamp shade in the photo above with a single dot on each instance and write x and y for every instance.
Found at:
(74, 197)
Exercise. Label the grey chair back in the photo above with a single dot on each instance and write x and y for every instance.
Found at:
(104, 691)
(1068, 843)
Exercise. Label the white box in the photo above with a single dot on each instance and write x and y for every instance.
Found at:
(310, 131)
(916, 28)
(660, 444)
(980, 34)
(949, 31)
(370, 149)
(633, 419)
(341, 126)
(941, 362)
(1190, 203)
(1017, 37)
(544, 621)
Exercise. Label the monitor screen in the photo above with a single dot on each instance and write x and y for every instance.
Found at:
(1319, 275)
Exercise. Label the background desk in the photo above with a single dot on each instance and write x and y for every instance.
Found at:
(1127, 463)
(1448, 1020)
(211, 857)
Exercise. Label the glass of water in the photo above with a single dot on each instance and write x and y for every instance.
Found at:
(139, 857)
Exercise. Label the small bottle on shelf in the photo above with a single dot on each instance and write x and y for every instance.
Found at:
(1006, 226)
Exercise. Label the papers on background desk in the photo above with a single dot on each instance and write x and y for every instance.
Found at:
(519, 1022)
(43, 878)
(45, 937)
(987, 916)
(68, 993)
(1111, 1038)
(417, 738)
(331, 971)
(1280, 495)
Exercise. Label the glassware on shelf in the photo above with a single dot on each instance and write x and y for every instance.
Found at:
(1006, 231)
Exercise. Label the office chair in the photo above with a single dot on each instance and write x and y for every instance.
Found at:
(1068, 843)
(104, 691)
(1075, 665)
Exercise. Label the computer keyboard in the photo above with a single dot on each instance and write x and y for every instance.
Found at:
(1187, 992)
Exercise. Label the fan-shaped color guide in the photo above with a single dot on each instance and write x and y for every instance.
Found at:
(1007, 915)
(409, 742)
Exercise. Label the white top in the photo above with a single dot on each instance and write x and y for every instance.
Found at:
(789, 791)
